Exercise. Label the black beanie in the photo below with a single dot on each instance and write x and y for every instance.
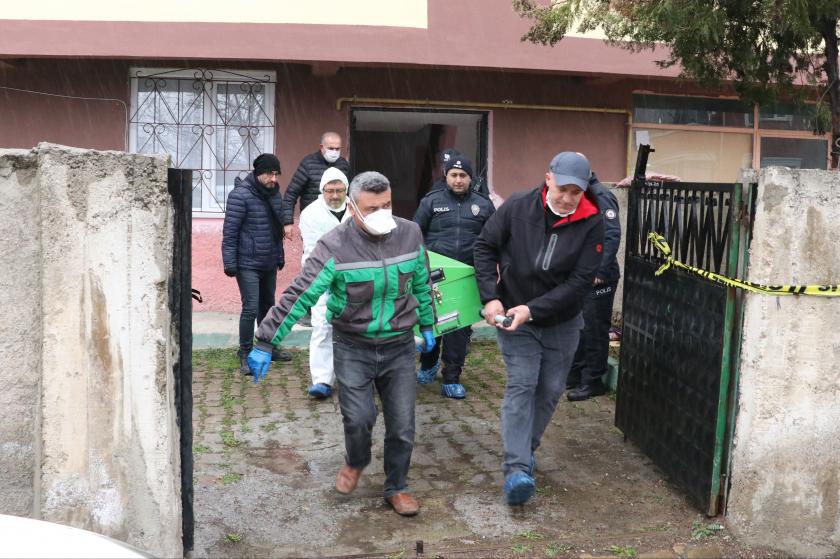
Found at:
(458, 161)
(265, 163)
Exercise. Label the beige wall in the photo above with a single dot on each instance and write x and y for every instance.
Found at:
(87, 345)
(404, 13)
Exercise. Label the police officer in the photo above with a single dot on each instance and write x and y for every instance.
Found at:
(440, 182)
(590, 364)
(451, 219)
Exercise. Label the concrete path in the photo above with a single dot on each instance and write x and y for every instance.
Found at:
(266, 457)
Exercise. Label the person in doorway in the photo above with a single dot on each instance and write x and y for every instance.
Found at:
(535, 262)
(317, 218)
(377, 272)
(590, 362)
(451, 220)
(252, 247)
(305, 184)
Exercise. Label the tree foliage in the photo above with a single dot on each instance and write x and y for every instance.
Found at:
(766, 47)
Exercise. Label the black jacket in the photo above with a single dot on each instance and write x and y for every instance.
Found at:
(451, 223)
(248, 239)
(306, 184)
(608, 204)
(549, 268)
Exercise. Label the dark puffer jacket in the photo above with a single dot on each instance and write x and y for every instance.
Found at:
(248, 239)
(306, 184)
(451, 223)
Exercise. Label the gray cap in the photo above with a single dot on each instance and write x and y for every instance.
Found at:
(570, 167)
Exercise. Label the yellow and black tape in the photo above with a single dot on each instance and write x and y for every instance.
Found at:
(660, 244)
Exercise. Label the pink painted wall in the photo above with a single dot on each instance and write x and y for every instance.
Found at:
(219, 292)
(521, 141)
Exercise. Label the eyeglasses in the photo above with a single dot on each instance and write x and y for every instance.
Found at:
(334, 191)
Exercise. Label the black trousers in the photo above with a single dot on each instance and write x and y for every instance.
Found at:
(454, 352)
(590, 363)
(256, 288)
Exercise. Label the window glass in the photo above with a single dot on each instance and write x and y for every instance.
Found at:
(664, 109)
(697, 156)
(214, 122)
(794, 153)
(786, 117)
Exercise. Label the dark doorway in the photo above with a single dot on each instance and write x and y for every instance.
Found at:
(404, 145)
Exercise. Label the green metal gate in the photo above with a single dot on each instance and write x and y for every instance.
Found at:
(675, 393)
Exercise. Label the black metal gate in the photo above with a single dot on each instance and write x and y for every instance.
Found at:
(180, 298)
(677, 338)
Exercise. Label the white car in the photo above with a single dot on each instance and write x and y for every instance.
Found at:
(25, 537)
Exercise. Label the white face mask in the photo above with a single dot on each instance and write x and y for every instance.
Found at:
(378, 223)
(555, 212)
(332, 155)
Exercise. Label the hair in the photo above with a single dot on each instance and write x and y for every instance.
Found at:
(369, 181)
(329, 133)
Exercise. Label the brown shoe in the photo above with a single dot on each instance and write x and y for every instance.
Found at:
(346, 480)
(403, 504)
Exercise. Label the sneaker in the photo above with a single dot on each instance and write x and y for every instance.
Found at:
(280, 355)
(425, 376)
(456, 391)
(519, 487)
(320, 391)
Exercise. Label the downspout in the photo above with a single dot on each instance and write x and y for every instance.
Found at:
(516, 106)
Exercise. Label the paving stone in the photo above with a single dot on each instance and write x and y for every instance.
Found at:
(703, 551)
(662, 554)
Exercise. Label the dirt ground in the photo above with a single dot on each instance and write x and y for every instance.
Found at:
(266, 457)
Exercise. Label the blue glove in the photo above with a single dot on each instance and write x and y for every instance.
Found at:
(258, 362)
(428, 342)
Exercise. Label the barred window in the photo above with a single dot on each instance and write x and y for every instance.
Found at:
(214, 122)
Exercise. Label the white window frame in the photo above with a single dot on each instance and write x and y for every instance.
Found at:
(210, 208)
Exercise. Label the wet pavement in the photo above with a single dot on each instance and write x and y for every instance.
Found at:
(266, 457)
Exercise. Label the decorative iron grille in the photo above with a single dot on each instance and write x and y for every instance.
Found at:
(675, 358)
(214, 122)
(693, 217)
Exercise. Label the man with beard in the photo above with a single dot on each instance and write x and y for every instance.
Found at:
(322, 215)
(252, 247)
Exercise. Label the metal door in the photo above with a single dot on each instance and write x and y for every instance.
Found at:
(677, 337)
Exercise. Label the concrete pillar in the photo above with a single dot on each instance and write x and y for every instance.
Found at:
(20, 333)
(785, 490)
(99, 344)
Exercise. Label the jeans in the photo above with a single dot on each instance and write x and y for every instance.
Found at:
(256, 287)
(454, 352)
(537, 360)
(389, 370)
(590, 362)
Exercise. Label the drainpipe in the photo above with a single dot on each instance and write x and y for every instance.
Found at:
(503, 105)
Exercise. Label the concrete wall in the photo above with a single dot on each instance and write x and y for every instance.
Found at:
(785, 490)
(88, 427)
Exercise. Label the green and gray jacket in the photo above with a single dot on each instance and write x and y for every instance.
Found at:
(379, 286)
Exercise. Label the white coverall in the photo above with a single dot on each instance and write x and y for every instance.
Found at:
(315, 220)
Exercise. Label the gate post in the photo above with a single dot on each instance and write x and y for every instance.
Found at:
(785, 481)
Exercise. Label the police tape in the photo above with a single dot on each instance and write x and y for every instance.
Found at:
(660, 244)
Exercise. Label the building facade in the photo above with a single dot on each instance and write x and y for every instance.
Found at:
(400, 81)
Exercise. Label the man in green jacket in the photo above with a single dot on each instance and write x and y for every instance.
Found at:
(377, 272)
